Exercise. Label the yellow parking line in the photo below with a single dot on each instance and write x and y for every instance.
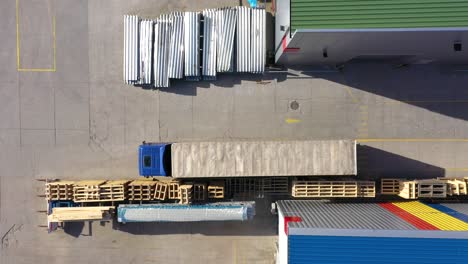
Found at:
(17, 36)
(18, 47)
(456, 169)
(427, 101)
(364, 140)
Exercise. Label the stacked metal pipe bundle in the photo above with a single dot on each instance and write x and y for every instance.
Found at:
(131, 52)
(146, 47)
(169, 47)
(176, 46)
(162, 30)
(209, 44)
(223, 211)
(243, 40)
(258, 49)
(192, 45)
(226, 26)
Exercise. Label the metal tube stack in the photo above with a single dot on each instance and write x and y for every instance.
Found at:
(192, 45)
(170, 47)
(146, 47)
(131, 59)
(176, 48)
(209, 44)
(162, 29)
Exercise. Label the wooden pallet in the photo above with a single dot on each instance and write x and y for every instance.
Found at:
(408, 189)
(275, 185)
(390, 186)
(216, 190)
(160, 192)
(325, 189)
(186, 193)
(115, 190)
(141, 190)
(366, 188)
(79, 214)
(87, 191)
(432, 189)
(59, 190)
(199, 191)
(456, 187)
(174, 190)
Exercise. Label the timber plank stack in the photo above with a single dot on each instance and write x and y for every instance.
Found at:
(89, 213)
(141, 190)
(216, 190)
(59, 190)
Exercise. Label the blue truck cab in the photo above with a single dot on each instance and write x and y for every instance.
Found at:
(154, 159)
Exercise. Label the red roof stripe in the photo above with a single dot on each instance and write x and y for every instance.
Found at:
(415, 221)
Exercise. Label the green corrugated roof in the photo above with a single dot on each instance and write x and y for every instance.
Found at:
(359, 14)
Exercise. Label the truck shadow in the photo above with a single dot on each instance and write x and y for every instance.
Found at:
(374, 164)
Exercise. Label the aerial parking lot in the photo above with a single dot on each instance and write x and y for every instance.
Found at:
(66, 113)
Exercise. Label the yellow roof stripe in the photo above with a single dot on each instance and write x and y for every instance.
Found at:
(432, 216)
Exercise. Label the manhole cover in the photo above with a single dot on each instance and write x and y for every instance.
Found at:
(294, 105)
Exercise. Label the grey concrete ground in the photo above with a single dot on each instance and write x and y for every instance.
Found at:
(82, 122)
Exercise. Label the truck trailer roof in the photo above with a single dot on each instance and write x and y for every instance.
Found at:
(264, 158)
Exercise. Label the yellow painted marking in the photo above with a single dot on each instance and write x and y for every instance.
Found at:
(427, 101)
(432, 216)
(292, 120)
(18, 47)
(363, 140)
(350, 93)
(456, 169)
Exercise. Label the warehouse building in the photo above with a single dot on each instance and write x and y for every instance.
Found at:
(403, 232)
(403, 32)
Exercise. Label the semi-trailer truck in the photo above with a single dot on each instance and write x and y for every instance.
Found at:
(248, 158)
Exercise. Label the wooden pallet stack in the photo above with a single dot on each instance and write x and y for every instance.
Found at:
(141, 190)
(432, 189)
(71, 214)
(455, 186)
(87, 191)
(324, 189)
(160, 192)
(408, 189)
(216, 190)
(115, 190)
(199, 191)
(186, 193)
(390, 186)
(59, 190)
(275, 185)
(366, 189)
(173, 192)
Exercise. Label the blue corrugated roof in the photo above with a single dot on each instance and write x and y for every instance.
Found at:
(382, 250)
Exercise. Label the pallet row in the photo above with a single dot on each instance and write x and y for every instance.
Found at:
(185, 192)
(332, 189)
(427, 188)
(137, 190)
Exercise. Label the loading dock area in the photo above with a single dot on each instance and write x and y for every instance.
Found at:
(82, 122)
